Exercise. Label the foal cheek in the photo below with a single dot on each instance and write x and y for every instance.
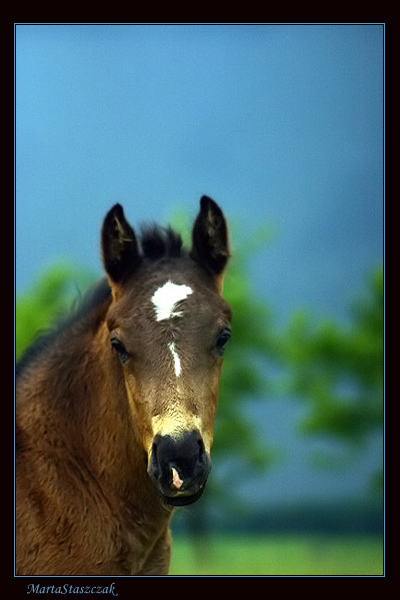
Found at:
(211, 394)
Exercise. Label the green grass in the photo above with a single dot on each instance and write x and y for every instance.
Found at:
(278, 555)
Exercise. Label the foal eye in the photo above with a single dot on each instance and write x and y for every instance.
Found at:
(120, 349)
(223, 339)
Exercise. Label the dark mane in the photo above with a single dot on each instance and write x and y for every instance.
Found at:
(93, 298)
(159, 242)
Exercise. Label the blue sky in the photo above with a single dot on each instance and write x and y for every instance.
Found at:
(280, 124)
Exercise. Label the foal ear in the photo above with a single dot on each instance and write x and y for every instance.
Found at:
(119, 245)
(210, 247)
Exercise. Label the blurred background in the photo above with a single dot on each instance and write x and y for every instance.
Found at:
(283, 126)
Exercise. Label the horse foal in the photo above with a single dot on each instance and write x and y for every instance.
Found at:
(115, 411)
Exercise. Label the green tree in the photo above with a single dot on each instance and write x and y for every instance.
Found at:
(338, 371)
(48, 300)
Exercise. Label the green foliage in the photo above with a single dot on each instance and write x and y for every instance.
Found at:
(339, 371)
(49, 299)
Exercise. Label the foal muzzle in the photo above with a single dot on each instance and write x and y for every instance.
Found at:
(179, 467)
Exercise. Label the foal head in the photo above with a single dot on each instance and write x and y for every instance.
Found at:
(168, 326)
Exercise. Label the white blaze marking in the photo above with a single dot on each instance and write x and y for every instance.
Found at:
(166, 300)
(177, 361)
